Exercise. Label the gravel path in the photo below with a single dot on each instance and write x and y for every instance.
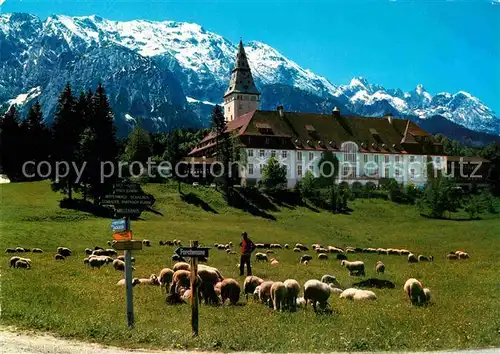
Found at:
(12, 342)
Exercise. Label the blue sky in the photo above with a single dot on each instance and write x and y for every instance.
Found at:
(444, 45)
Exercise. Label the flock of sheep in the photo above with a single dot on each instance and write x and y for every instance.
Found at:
(215, 289)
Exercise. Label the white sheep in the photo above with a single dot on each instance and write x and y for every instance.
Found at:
(422, 258)
(364, 295)
(329, 279)
(348, 293)
(301, 302)
(412, 258)
(317, 292)
(415, 291)
(292, 292)
(181, 266)
(264, 292)
(278, 295)
(96, 262)
(380, 267)
(121, 282)
(165, 277)
(354, 268)
(322, 256)
(250, 284)
(287, 246)
(427, 293)
(152, 280)
(230, 289)
(59, 257)
(261, 257)
(37, 250)
(119, 265)
(22, 263)
(66, 252)
(335, 289)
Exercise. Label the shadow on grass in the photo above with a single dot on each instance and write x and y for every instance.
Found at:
(193, 199)
(86, 206)
(241, 201)
(427, 216)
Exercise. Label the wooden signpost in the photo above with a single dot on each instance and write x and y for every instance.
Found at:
(127, 200)
(194, 252)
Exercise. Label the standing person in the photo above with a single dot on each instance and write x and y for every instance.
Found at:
(247, 247)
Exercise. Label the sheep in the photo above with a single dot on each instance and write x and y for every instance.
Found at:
(152, 280)
(301, 247)
(341, 257)
(135, 282)
(287, 246)
(278, 294)
(88, 251)
(66, 252)
(317, 292)
(261, 257)
(422, 258)
(104, 259)
(427, 294)
(375, 283)
(146, 243)
(264, 292)
(336, 290)
(452, 256)
(305, 257)
(185, 294)
(332, 249)
(301, 302)
(251, 282)
(119, 265)
(217, 288)
(109, 243)
(59, 257)
(315, 245)
(292, 292)
(181, 265)
(305, 263)
(96, 262)
(350, 250)
(354, 268)
(321, 250)
(10, 250)
(20, 250)
(177, 258)
(111, 252)
(13, 261)
(329, 279)
(382, 251)
(209, 276)
(230, 244)
(182, 278)
(296, 249)
(322, 256)
(230, 289)
(37, 250)
(165, 277)
(122, 258)
(22, 263)
(358, 294)
(269, 251)
(276, 245)
(462, 255)
(380, 267)
(259, 245)
(415, 291)
(274, 261)
(412, 258)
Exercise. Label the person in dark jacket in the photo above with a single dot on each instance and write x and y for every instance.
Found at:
(247, 247)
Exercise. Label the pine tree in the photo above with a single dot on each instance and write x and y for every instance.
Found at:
(139, 147)
(223, 150)
(11, 153)
(66, 137)
(173, 154)
(98, 142)
(36, 139)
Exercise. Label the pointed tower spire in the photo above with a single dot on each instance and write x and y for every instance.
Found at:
(242, 95)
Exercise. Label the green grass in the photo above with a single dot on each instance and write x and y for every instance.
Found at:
(71, 300)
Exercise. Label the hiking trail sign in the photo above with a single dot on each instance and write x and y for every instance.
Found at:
(128, 199)
(194, 252)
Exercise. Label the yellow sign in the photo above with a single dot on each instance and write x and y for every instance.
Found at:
(122, 236)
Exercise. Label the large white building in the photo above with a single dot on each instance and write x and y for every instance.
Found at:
(367, 148)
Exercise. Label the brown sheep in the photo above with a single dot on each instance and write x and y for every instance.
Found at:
(181, 266)
(22, 263)
(165, 277)
(59, 257)
(13, 261)
(230, 289)
(278, 295)
(250, 283)
(152, 280)
(323, 256)
(452, 256)
(380, 267)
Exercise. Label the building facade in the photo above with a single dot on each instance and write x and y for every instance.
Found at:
(367, 149)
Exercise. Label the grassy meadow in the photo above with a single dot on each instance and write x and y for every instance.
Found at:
(72, 300)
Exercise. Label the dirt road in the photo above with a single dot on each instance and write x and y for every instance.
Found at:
(12, 342)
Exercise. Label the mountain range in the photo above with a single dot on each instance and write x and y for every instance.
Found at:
(171, 74)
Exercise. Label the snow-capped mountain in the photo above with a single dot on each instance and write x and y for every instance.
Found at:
(171, 73)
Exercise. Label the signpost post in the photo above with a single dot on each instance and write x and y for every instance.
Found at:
(194, 252)
(127, 200)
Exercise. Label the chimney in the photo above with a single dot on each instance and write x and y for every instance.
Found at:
(336, 112)
(389, 117)
(281, 111)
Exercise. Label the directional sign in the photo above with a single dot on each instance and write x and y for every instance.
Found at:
(123, 235)
(118, 224)
(127, 245)
(192, 252)
(128, 199)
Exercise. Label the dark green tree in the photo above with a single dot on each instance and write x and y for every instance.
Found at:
(11, 149)
(329, 169)
(223, 151)
(139, 148)
(174, 154)
(66, 132)
(274, 175)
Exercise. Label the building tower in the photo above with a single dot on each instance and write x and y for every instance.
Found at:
(241, 96)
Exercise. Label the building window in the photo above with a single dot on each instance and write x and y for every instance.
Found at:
(284, 154)
(250, 153)
(376, 158)
(229, 109)
(387, 158)
(262, 153)
(311, 156)
(261, 168)
(350, 150)
(299, 170)
(349, 172)
(250, 169)
(397, 159)
(386, 172)
(267, 141)
(412, 158)
(299, 155)
(365, 158)
(412, 173)
(397, 172)
(273, 153)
